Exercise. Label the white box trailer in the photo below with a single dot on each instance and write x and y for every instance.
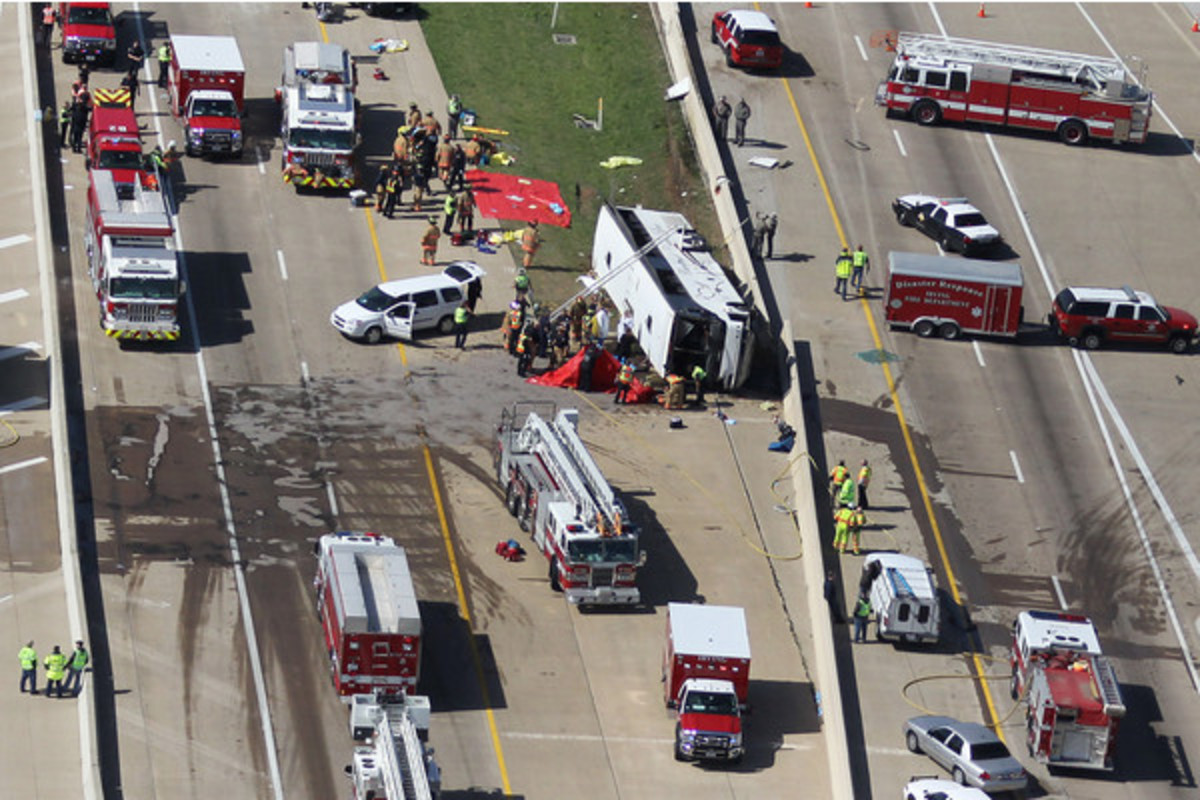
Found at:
(658, 270)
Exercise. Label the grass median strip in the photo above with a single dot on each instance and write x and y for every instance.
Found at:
(502, 59)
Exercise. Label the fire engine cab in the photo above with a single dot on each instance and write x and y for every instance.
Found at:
(1075, 96)
(1073, 700)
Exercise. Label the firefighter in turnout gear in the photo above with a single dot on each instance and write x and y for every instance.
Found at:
(857, 520)
(514, 321)
(624, 382)
(429, 243)
(526, 349)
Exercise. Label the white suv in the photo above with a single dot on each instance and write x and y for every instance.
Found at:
(401, 308)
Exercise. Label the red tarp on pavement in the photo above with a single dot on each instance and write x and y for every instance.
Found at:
(604, 377)
(511, 197)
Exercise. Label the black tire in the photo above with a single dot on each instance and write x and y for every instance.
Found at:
(926, 112)
(524, 517)
(729, 58)
(946, 243)
(512, 498)
(713, 34)
(1073, 132)
(950, 331)
(554, 584)
(679, 756)
(1091, 340)
(446, 324)
(904, 217)
(958, 777)
(191, 151)
(374, 335)
(910, 740)
(736, 760)
(1013, 691)
(1179, 344)
(1052, 322)
(924, 328)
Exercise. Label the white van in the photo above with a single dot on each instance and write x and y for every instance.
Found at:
(401, 308)
(904, 598)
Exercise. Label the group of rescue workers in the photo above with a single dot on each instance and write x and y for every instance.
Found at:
(849, 503)
(64, 674)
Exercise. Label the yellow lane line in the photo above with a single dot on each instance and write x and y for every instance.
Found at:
(382, 271)
(891, 384)
(465, 612)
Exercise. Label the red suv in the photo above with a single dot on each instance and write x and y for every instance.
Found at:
(1089, 317)
(749, 39)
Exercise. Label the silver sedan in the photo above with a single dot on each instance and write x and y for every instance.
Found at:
(972, 753)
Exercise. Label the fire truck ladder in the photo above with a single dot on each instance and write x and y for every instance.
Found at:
(401, 757)
(573, 465)
(1057, 63)
(1110, 689)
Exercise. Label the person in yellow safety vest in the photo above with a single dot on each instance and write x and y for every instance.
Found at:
(29, 660)
(841, 529)
(526, 349)
(862, 615)
(445, 157)
(842, 269)
(521, 284)
(453, 114)
(429, 243)
(839, 476)
(864, 480)
(462, 316)
(530, 241)
(515, 320)
(857, 520)
(699, 375)
(56, 670)
(846, 495)
(862, 265)
(75, 668)
(164, 63)
(676, 391)
(624, 381)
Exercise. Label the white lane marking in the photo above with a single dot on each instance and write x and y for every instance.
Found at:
(15, 294)
(262, 169)
(978, 353)
(1155, 491)
(21, 405)
(1137, 521)
(1083, 363)
(888, 751)
(1062, 601)
(583, 737)
(12, 241)
(304, 372)
(282, 264)
(938, 19)
(899, 143)
(1158, 109)
(6, 598)
(1016, 466)
(16, 351)
(239, 570)
(32, 462)
(333, 504)
(862, 51)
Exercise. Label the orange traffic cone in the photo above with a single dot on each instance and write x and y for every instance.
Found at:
(808, 5)
(1196, 26)
(982, 14)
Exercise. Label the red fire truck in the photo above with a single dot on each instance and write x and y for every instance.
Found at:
(369, 611)
(1073, 700)
(1075, 96)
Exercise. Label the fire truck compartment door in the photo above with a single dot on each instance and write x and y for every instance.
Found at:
(399, 321)
(1076, 746)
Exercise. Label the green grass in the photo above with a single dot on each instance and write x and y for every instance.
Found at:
(502, 60)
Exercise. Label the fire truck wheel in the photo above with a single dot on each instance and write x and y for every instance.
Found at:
(959, 777)
(1072, 132)
(715, 38)
(950, 331)
(373, 335)
(926, 112)
(910, 739)
(1092, 339)
(511, 498)
(729, 62)
(924, 328)
(679, 756)
(524, 518)
(554, 584)
(1012, 685)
